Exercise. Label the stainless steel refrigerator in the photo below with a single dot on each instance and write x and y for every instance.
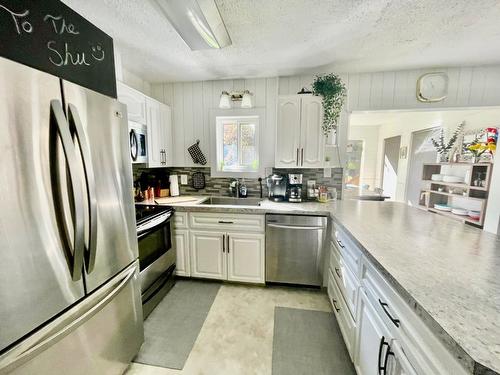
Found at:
(70, 300)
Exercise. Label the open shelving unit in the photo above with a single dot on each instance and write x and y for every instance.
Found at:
(472, 194)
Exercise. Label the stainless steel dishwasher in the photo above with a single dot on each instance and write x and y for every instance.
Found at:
(294, 249)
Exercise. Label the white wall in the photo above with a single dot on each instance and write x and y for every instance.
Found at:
(192, 103)
(369, 135)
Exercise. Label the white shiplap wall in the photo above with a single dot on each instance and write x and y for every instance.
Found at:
(192, 102)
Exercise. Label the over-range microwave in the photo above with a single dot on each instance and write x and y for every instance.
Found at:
(138, 138)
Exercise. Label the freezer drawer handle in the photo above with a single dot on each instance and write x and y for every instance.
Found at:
(59, 128)
(385, 306)
(77, 128)
(60, 328)
(293, 227)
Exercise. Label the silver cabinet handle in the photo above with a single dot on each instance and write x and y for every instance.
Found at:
(59, 127)
(302, 157)
(77, 128)
(223, 243)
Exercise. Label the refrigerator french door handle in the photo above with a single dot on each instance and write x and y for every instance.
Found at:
(77, 128)
(67, 323)
(75, 258)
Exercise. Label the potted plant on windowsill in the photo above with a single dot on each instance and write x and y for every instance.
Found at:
(333, 93)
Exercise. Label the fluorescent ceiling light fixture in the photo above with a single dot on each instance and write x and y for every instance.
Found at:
(225, 102)
(198, 22)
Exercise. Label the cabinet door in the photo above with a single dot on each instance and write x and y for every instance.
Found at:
(288, 132)
(166, 131)
(208, 259)
(312, 140)
(370, 331)
(245, 257)
(181, 246)
(135, 101)
(155, 135)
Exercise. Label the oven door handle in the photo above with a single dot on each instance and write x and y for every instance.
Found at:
(153, 224)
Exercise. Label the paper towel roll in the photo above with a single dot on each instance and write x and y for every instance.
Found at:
(174, 185)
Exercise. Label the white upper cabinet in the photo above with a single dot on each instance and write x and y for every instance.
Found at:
(159, 124)
(312, 140)
(300, 142)
(158, 119)
(135, 101)
(288, 132)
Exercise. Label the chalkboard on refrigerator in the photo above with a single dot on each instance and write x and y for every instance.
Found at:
(49, 36)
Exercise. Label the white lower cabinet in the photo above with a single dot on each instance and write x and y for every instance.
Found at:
(233, 256)
(208, 258)
(245, 257)
(371, 338)
(180, 242)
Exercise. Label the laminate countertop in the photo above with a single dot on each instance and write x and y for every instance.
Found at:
(447, 271)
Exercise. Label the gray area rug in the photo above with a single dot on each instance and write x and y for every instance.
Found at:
(170, 331)
(308, 342)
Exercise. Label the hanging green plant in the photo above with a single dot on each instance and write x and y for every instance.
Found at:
(333, 92)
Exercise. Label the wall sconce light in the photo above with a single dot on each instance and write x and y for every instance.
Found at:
(224, 102)
(245, 97)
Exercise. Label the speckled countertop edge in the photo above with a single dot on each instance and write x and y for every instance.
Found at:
(328, 209)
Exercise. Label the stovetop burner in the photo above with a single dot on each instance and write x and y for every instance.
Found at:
(144, 212)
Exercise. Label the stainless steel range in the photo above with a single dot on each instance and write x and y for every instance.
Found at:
(156, 254)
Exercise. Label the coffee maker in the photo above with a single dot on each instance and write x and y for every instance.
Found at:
(276, 186)
(294, 190)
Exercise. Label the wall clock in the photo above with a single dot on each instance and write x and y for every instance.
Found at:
(432, 87)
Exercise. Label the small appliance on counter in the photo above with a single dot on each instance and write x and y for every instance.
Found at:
(276, 186)
(294, 190)
(312, 190)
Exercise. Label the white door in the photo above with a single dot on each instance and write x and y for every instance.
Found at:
(166, 138)
(181, 245)
(245, 257)
(208, 259)
(288, 132)
(371, 337)
(312, 140)
(391, 162)
(135, 101)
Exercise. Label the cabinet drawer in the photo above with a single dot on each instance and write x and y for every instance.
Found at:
(180, 220)
(219, 221)
(344, 318)
(346, 282)
(350, 252)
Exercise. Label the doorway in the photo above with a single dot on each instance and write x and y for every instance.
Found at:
(390, 166)
(421, 152)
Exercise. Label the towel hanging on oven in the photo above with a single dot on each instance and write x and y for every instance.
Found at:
(196, 153)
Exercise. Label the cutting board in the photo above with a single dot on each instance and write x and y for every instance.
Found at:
(172, 200)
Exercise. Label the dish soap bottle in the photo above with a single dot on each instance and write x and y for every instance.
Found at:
(243, 189)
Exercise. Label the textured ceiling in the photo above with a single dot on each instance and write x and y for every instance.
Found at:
(285, 37)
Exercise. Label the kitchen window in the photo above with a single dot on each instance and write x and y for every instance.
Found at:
(237, 144)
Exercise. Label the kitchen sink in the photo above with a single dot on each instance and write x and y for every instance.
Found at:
(232, 201)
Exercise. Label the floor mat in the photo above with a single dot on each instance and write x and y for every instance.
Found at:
(172, 328)
(308, 342)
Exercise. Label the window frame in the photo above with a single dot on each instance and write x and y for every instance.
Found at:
(258, 117)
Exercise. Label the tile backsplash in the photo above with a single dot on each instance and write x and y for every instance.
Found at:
(220, 185)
